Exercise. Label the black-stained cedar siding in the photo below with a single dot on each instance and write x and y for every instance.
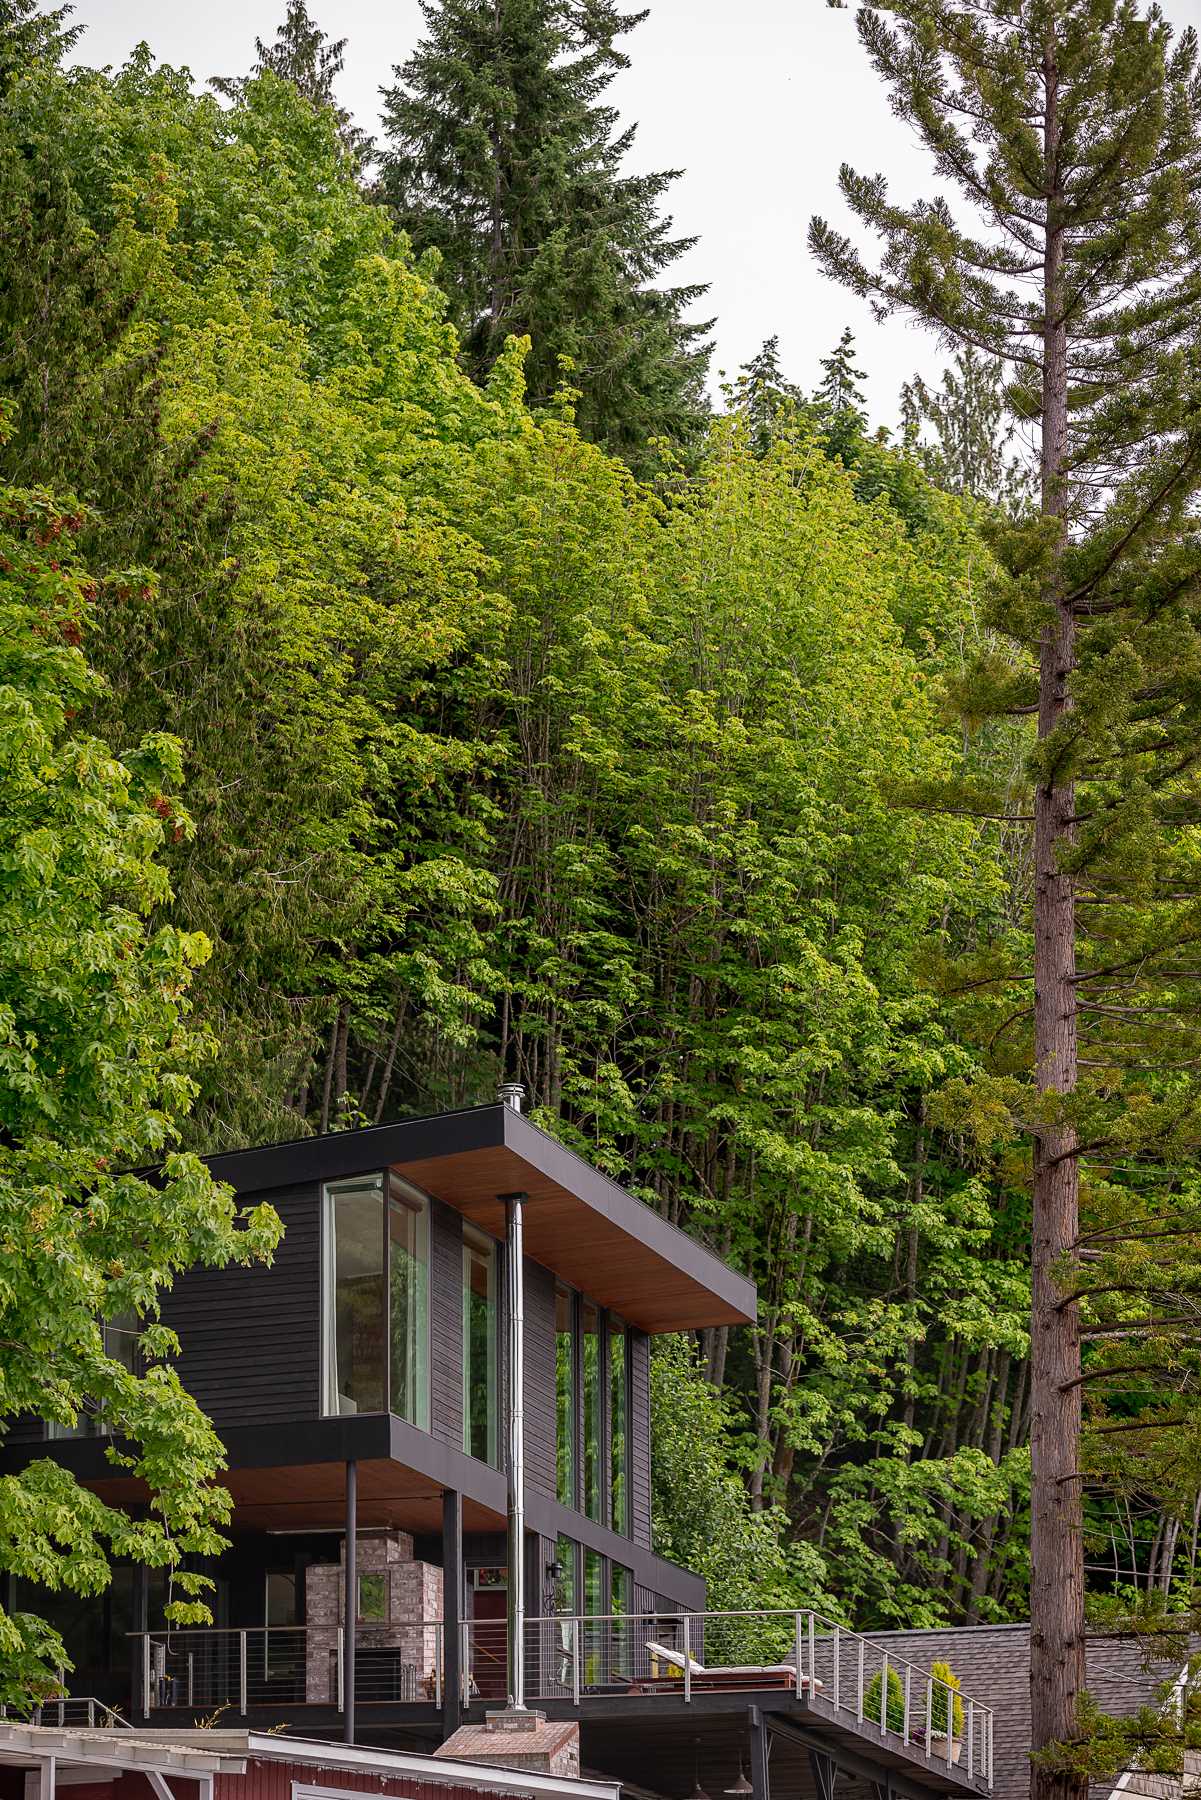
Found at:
(251, 1337)
(446, 1324)
(540, 1422)
(640, 1439)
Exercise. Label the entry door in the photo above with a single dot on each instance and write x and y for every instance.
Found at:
(489, 1634)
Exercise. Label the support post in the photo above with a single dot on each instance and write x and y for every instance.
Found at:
(452, 1609)
(515, 1574)
(140, 1697)
(350, 1606)
(824, 1774)
(760, 1748)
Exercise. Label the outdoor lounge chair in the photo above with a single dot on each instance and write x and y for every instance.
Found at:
(713, 1680)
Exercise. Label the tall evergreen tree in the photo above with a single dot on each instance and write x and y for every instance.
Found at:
(305, 56)
(840, 401)
(503, 158)
(973, 433)
(1070, 128)
(764, 395)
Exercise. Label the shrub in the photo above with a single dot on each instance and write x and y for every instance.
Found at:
(943, 1673)
(896, 1702)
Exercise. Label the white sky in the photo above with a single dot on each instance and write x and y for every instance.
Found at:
(757, 101)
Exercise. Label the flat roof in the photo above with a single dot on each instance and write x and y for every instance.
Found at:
(579, 1224)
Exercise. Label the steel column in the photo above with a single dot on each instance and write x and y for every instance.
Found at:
(452, 1610)
(350, 1604)
(515, 1574)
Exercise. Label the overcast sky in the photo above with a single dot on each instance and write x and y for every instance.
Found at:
(757, 101)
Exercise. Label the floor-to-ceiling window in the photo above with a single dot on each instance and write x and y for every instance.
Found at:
(376, 1298)
(479, 1345)
(619, 1453)
(591, 1349)
(565, 1396)
(408, 1286)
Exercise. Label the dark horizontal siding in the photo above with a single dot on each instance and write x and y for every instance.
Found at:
(539, 1378)
(251, 1337)
(640, 1439)
(446, 1325)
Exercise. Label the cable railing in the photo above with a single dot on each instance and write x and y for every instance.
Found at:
(835, 1671)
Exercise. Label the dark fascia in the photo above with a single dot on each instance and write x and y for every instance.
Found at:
(346, 1153)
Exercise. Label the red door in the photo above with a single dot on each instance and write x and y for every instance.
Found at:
(489, 1642)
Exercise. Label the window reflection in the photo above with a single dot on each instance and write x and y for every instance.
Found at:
(479, 1345)
(565, 1397)
(376, 1307)
(590, 1342)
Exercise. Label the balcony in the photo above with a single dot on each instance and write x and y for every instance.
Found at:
(612, 1663)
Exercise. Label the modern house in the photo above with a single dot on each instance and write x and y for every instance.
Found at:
(436, 1408)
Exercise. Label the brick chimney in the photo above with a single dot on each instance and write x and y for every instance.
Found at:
(513, 1740)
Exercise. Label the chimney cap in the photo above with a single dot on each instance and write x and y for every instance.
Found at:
(512, 1094)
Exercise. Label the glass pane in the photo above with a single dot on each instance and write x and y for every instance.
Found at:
(121, 1343)
(479, 1346)
(354, 1301)
(590, 1331)
(281, 1597)
(594, 1583)
(565, 1594)
(565, 1398)
(619, 1485)
(408, 1262)
(373, 1597)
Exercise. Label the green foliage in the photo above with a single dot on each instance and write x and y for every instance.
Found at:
(97, 1054)
(503, 160)
(890, 1712)
(945, 1697)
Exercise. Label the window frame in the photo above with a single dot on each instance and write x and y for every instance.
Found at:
(473, 1238)
(392, 1187)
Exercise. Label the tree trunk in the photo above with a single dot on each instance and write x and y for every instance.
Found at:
(1056, 1541)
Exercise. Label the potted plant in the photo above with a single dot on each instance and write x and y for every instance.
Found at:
(894, 1706)
(945, 1698)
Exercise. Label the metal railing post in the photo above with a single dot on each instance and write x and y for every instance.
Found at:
(242, 1673)
(884, 1696)
(338, 1673)
(812, 1654)
(837, 1664)
(575, 1662)
(146, 1674)
(191, 1675)
(950, 1723)
(929, 1713)
(438, 1649)
(687, 1663)
(908, 1674)
(797, 1652)
(859, 1697)
(971, 1723)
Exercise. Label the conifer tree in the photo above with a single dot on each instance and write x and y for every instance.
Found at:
(305, 56)
(763, 394)
(973, 433)
(840, 400)
(503, 158)
(1070, 130)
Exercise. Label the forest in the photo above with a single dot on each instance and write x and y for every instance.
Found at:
(418, 670)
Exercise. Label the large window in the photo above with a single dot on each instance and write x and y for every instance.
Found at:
(479, 1345)
(408, 1288)
(376, 1308)
(565, 1397)
(619, 1486)
(591, 1343)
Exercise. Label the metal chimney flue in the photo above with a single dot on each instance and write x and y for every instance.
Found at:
(512, 1094)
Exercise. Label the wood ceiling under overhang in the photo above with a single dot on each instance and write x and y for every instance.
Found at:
(579, 1224)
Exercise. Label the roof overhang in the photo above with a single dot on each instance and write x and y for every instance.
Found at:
(579, 1224)
(201, 1753)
